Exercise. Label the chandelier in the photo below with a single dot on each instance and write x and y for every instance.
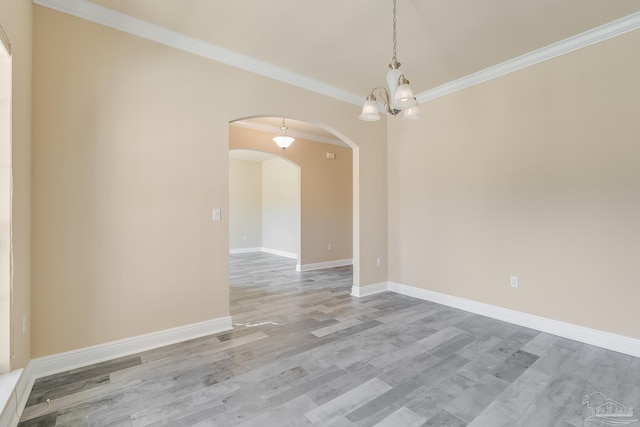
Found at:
(399, 98)
(283, 141)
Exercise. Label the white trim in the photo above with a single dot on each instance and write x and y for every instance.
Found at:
(619, 343)
(267, 250)
(587, 38)
(23, 389)
(244, 250)
(61, 362)
(365, 291)
(24, 379)
(323, 265)
(110, 18)
(280, 253)
(8, 406)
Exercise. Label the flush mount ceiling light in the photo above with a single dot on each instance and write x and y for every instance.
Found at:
(283, 141)
(399, 97)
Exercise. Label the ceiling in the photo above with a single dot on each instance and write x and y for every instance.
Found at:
(296, 129)
(254, 156)
(347, 44)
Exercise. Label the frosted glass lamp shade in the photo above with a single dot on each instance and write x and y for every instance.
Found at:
(404, 96)
(412, 113)
(370, 110)
(283, 141)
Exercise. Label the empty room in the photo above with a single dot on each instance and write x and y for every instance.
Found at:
(337, 213)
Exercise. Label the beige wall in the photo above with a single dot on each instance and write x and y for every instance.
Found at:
(245, 204)
(535, 174)
(16, 19)
(281, 206)
(130, 155)
(325, 188)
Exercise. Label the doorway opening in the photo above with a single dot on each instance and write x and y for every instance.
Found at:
(264, 204)
(328, 190)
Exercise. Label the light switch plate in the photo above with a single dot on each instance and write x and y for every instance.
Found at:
(513, 281)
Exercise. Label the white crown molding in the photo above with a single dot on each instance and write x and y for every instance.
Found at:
(326, 264)
(61, 362)
(89, 11)
(291, 132)
(587, 38)
(619, 343)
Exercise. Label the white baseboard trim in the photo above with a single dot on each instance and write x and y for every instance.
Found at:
(61, 362)
(365, 291)
(619, 343)
(244, 250)
(267, 250)
(17, 400)
(8, 400)
(281, 253)
(326, 264)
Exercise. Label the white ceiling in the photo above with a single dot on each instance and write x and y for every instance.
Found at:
(254, 156)
(296, 129)
(347, 44)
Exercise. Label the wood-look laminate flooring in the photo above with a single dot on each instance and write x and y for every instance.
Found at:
(303, 352)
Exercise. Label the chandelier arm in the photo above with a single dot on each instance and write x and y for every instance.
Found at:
(386, 99)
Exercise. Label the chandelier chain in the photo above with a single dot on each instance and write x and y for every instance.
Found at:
(395, 39)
